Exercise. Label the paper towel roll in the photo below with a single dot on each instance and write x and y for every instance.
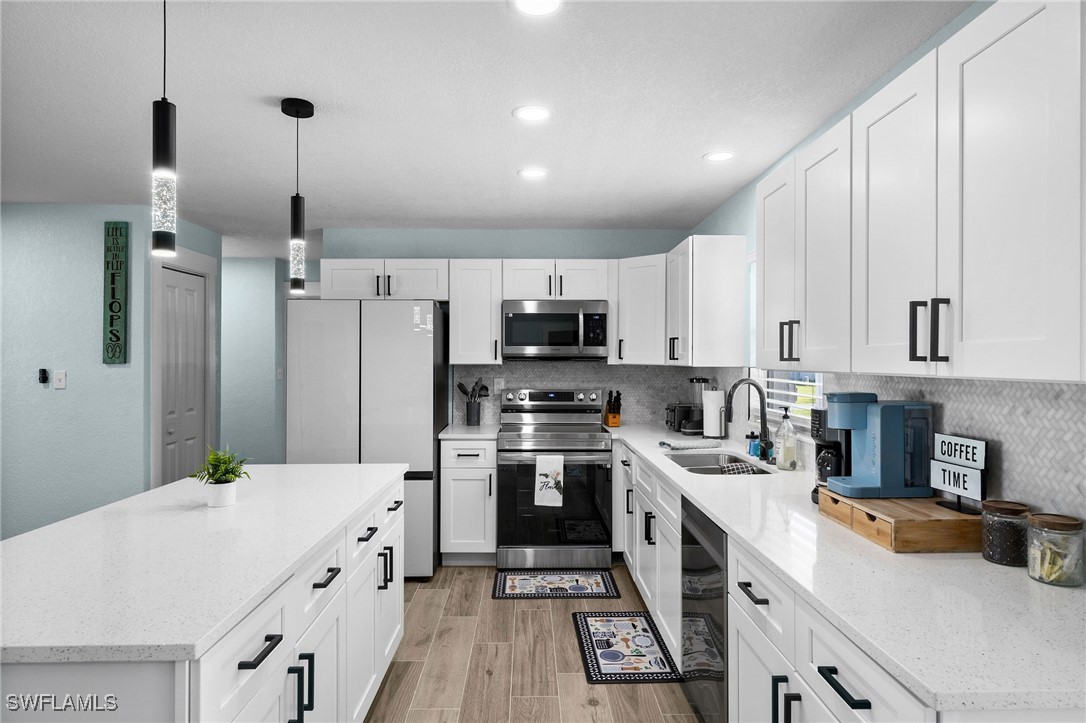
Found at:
(712, 401)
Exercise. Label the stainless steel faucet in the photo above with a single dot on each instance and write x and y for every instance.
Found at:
(764, 445)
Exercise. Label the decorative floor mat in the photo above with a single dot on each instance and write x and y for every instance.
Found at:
(585, 531)
(623, 647)
(704, 647)
(554, 583)
(703, 584)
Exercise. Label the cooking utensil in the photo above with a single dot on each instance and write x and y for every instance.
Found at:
(463, 387)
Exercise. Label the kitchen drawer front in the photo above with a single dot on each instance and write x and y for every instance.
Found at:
(462, 453)
(669, 502)
(819, 644)
(363, 534)
(317, 580)
(644, 479)
(761, 595)
(265, 637)
(390, 506)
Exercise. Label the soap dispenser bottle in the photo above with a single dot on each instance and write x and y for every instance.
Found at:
(785, 446)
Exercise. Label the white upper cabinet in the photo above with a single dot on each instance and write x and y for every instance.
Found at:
(893, 224)
(575, 279)
(1010, 194)
(475, 310)
(776, 303)
(385, 279)
(707, 314)
(642, 312)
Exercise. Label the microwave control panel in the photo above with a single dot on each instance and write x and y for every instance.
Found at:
(595, 329)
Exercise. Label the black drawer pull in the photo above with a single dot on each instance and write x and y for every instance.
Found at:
(781, 326)
(378, 284)
(383, 585)
(629, 494)
(495, 350)
(649, 517)
(789, 699)
(388, 284)
(620, 347)
(396, 505)
(391, 565)
(311, 661)
(625, 463)
(829, 673)
(332, 572)
(914, 354)
(792, 341)
(463, 454)
(933, 344)
(745, 587)
(490, 484)
(300, 672)
(560, 292)
(370, 532)
(272, 641)
(775, 717)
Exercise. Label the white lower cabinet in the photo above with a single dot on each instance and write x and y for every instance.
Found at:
(468, 510)
(668, 612)
(322, 652)
(389, 608)
(363, 680)
(644, 572)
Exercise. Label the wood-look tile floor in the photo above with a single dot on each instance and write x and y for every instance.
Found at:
(468, 658)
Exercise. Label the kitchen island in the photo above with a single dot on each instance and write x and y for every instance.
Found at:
(156, 607)
(968, 639)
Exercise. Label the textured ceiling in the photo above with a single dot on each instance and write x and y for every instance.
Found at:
(413, 99)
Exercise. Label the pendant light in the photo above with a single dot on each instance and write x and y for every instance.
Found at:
(297, 108)
(164, 168)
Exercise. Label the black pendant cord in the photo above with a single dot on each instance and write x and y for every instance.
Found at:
(163, 48)
(297, 157)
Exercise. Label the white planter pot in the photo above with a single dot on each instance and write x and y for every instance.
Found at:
(222, 495)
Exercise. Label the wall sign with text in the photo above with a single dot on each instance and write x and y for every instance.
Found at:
(115, 296)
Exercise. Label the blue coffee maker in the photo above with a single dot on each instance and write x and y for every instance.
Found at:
(891, 445)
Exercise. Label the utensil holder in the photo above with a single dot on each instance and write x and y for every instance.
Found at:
(474, 409)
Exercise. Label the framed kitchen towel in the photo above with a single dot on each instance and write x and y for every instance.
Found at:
(115, 294)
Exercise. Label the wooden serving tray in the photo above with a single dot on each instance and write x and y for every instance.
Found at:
(916, 524)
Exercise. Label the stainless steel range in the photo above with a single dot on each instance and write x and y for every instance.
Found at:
(539, 527)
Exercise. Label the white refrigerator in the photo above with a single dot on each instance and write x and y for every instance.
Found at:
(367, 381)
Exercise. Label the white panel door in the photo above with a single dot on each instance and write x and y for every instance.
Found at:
(389, 617)
(322, 650)
(642, 310)
(322, 381)
(893, 223)
(668, 614)
(581, 279)
(1010, 193)
(644, 572)
(824, 251)
(468, 514)
(397, 363)
(362, 674)
(680, 272)
(417, 279)
(184, 374)
(352, 278)
(776, 307)
(529, 279)
(475, 311)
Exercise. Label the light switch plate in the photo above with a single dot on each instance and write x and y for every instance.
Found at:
(499, 384)
(60, 380)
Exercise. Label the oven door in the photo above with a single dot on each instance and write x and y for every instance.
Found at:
(576, 533)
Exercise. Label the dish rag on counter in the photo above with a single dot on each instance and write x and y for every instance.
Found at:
(700, 444)
(548, 477)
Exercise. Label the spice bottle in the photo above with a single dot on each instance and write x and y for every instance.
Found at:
(1003, 527)
(1056, 550)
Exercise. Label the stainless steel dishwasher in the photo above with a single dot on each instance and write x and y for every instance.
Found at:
(705, 615)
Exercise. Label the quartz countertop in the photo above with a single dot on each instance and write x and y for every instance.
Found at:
(162, 576)
(959, 632)
(463, 431)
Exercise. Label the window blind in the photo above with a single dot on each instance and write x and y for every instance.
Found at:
(799, 391)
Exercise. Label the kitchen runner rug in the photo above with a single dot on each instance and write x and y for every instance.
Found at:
(623, 647)
(524, 584)
(704, 646)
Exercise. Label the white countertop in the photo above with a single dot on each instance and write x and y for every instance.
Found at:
(463, 431)
(956, 630)
(160, 575)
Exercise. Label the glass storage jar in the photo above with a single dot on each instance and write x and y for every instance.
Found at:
(1056, 550)
(1003, 527)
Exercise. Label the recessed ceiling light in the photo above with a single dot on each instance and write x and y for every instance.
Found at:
(532, 172)
(718, 156)
(536, 7)
(531, 113)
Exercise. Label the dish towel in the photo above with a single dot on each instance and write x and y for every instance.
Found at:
(548, 478)
(701, 444)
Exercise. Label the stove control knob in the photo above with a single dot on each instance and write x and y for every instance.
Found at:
(522, 396)
(580, 397)
(592, 397)
(509, 397)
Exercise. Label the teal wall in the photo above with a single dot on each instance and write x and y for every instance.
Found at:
(253, 407)
(441, 243)
(69, 451)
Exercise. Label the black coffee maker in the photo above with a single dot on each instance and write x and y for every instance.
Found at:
(833, 450)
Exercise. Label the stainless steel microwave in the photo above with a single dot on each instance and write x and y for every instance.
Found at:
(554, 329)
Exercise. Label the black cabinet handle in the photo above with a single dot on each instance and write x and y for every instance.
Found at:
(777, 680)
(396, 505)
(271, 641)
(467, 454)
(745, 587)
(671, 348)
(781, 326)
(388, 284)
(311, 661)
(620, 347)
(560, 285)
(629, 494)
(789, 699)
(933, 347)
(490, 484)
(300, 672)
(648, 528)
(391, 565)
(332, 572)
(549, 292)
(914, 354)
(791, 340)
(378, 277)
(829, 673)
(383, 585)
(625, 463)
(495, 350)
(370, 532)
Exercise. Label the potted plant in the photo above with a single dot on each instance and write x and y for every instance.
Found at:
(220, 471)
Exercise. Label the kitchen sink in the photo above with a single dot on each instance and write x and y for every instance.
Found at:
(702, 463)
